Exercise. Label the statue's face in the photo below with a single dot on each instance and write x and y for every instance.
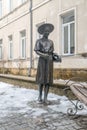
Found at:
(46, 32)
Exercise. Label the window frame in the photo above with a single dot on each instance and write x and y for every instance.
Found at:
(67, 24)
(1, 8)
(23, 1)
(1, 43)
(23, 50)
(10, 5)
(10, 47)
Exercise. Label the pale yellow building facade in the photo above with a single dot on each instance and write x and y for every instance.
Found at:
(19, 20)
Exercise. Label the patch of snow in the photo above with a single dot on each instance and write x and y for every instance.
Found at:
(38, 112)
(16, 100)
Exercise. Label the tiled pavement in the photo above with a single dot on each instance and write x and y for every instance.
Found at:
(46, 121)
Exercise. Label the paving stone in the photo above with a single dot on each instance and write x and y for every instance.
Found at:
(2, 128)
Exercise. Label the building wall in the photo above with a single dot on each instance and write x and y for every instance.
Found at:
(51, 11)
(12, 24)
(76, 61)
(53, 15)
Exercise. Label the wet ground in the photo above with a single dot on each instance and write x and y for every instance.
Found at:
(38, 116)
(47, 121)
(57, 90)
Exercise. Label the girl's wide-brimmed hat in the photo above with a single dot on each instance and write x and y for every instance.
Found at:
(45, 27)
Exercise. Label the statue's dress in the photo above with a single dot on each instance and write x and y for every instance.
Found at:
(45, 64)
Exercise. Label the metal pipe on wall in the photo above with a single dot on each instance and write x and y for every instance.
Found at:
(31, 43)
(31, 32)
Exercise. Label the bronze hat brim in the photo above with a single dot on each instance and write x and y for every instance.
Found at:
(41, 29)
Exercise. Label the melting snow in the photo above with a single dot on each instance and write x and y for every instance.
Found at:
(16, 100)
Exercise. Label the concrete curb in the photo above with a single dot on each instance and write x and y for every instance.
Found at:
(57, 83)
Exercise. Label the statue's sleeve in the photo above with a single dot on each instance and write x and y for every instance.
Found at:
(37, 46)
(52, 47)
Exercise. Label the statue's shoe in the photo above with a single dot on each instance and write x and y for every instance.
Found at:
(46, 102)
(40, 101)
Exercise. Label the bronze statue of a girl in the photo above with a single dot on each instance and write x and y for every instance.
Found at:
(44, 47)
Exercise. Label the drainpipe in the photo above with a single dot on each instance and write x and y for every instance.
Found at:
(31, 43)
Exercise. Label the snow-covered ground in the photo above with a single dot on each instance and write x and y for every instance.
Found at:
(16, 100)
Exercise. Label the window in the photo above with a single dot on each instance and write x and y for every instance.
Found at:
(68, 34)
(0, 8)
(23, 44)
(10, 47)
(0, 49)
(10, 5)
(22, 1)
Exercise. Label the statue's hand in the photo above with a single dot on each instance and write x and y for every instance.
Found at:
(44, 55)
